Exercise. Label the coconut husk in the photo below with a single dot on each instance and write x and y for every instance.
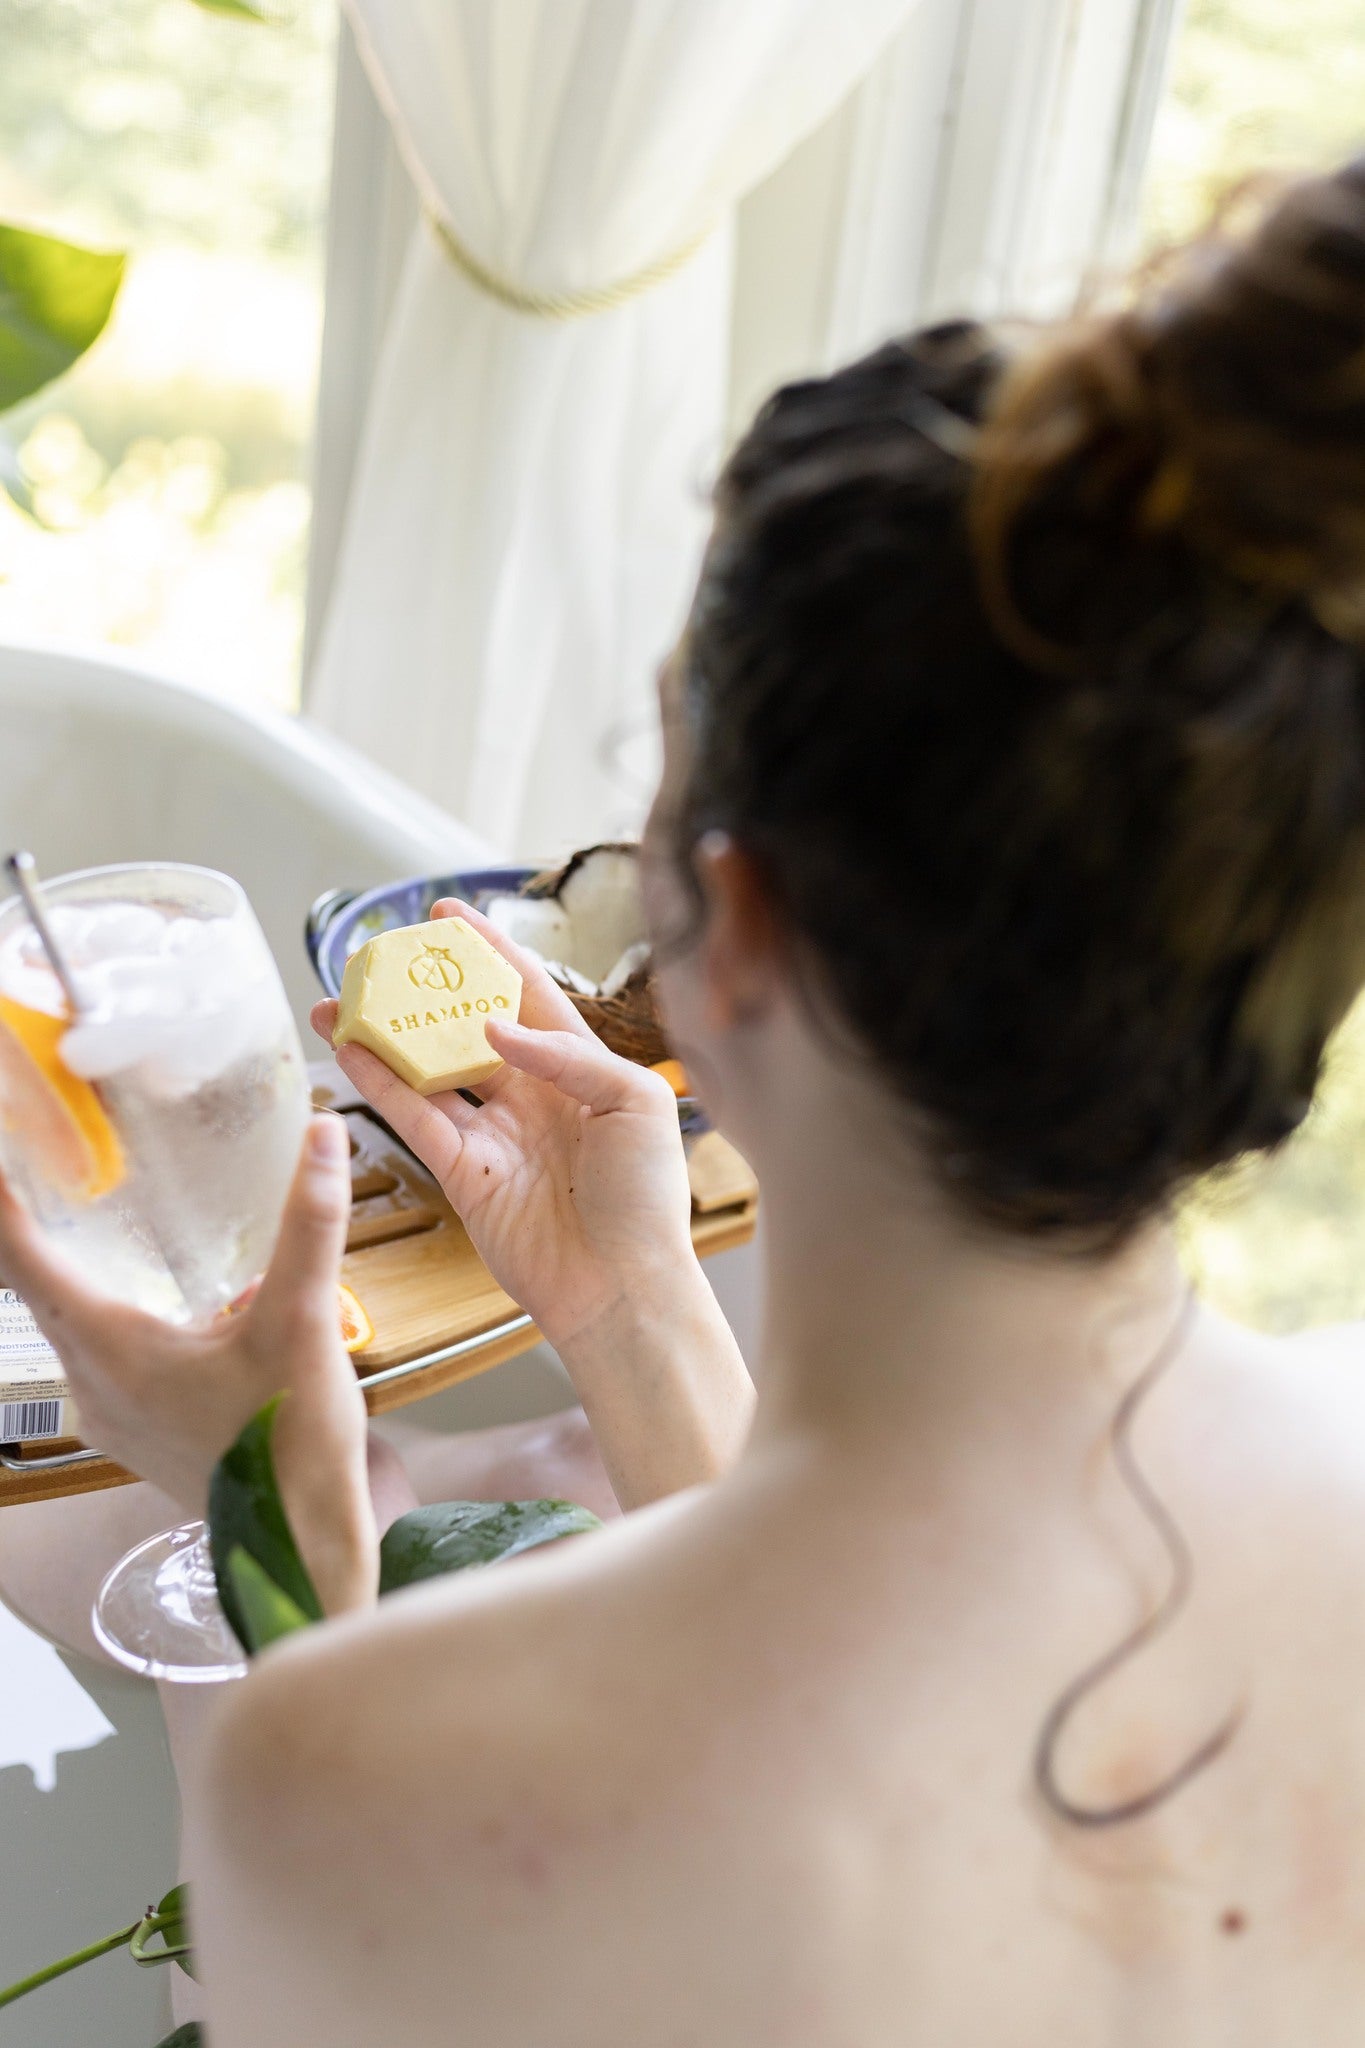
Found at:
(628, 1021)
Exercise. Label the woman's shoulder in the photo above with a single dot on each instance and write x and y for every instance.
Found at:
(1274, 1457)
(1336, 1348)
(1255, 1446)
(450, 1690)
(1291, 1409)
(420, 1773)
(1308, 1386)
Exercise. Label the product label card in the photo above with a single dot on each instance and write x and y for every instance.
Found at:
(33, 1390)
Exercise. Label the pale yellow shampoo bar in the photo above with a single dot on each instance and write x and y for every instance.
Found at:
(421, 997)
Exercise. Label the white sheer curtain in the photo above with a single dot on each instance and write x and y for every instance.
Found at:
(990, 162)
(528, 503)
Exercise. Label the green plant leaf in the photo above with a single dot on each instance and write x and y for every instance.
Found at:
(246, 1513)
(267, 1610)
(189, 2036)
(237, 9)
(170, 1923)
(451, 1536)
(55, 298)
(175, 1908)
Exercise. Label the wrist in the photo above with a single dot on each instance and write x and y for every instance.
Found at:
(173, 1447)
(637, 1301)
(662, 1382)
(605, 1293)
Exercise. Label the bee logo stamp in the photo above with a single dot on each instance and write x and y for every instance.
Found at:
(434, 967)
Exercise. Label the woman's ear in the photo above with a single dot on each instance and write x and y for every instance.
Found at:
(740, 954)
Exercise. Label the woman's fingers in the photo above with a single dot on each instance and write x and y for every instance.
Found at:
(303, 1272)
(63, 1305)
(320, 1459)
(319, 1440)
(579, 1067)
(431, 1126)
(422, 1121)
(543, 1003)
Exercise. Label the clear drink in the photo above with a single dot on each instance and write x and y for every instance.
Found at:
(155, 1136)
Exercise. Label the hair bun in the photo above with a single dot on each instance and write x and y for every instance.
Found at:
(1224, 407)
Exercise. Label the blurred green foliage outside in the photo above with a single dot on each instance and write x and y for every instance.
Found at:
(1255, 85)
(1280, 1242)
(158, 495)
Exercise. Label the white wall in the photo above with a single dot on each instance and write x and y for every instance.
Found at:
(86, 1853)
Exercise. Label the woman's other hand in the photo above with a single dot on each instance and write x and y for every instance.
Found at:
(571, 1179)
(166, 1402)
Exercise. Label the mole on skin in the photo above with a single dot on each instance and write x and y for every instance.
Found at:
(420, 998)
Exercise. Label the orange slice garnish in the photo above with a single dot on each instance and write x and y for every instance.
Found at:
(57, 1119)
(356, 1328)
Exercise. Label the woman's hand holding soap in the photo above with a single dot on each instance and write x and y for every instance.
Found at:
(572, 1183)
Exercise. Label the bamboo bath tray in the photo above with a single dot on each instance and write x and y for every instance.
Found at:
(439, 1316)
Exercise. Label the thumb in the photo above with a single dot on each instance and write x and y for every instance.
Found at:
(302, 1276)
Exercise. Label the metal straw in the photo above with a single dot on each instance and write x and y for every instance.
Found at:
(24, 870)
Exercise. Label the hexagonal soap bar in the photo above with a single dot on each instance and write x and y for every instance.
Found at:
(420, 997)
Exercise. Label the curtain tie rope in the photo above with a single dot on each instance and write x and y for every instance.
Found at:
(561, 305)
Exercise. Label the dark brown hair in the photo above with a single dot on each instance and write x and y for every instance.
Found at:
(1032, 678)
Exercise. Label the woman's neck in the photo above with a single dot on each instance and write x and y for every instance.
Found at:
(894, 1318)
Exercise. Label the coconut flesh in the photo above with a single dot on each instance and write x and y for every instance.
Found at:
(587, 922)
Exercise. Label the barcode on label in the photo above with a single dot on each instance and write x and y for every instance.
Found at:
(29, 1419)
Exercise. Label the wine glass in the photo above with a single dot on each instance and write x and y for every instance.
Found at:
(153, 1098)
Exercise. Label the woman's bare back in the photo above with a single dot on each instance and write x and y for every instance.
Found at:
(756, 1768)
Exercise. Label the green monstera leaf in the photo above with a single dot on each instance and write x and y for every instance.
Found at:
(55, 299)
(263, 1582)
(450, 1537)
(267, 1612)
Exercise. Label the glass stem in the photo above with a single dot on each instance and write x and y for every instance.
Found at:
(200, 1565)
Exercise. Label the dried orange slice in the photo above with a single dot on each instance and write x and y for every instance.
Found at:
(356, 1328)
(58, 1120)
